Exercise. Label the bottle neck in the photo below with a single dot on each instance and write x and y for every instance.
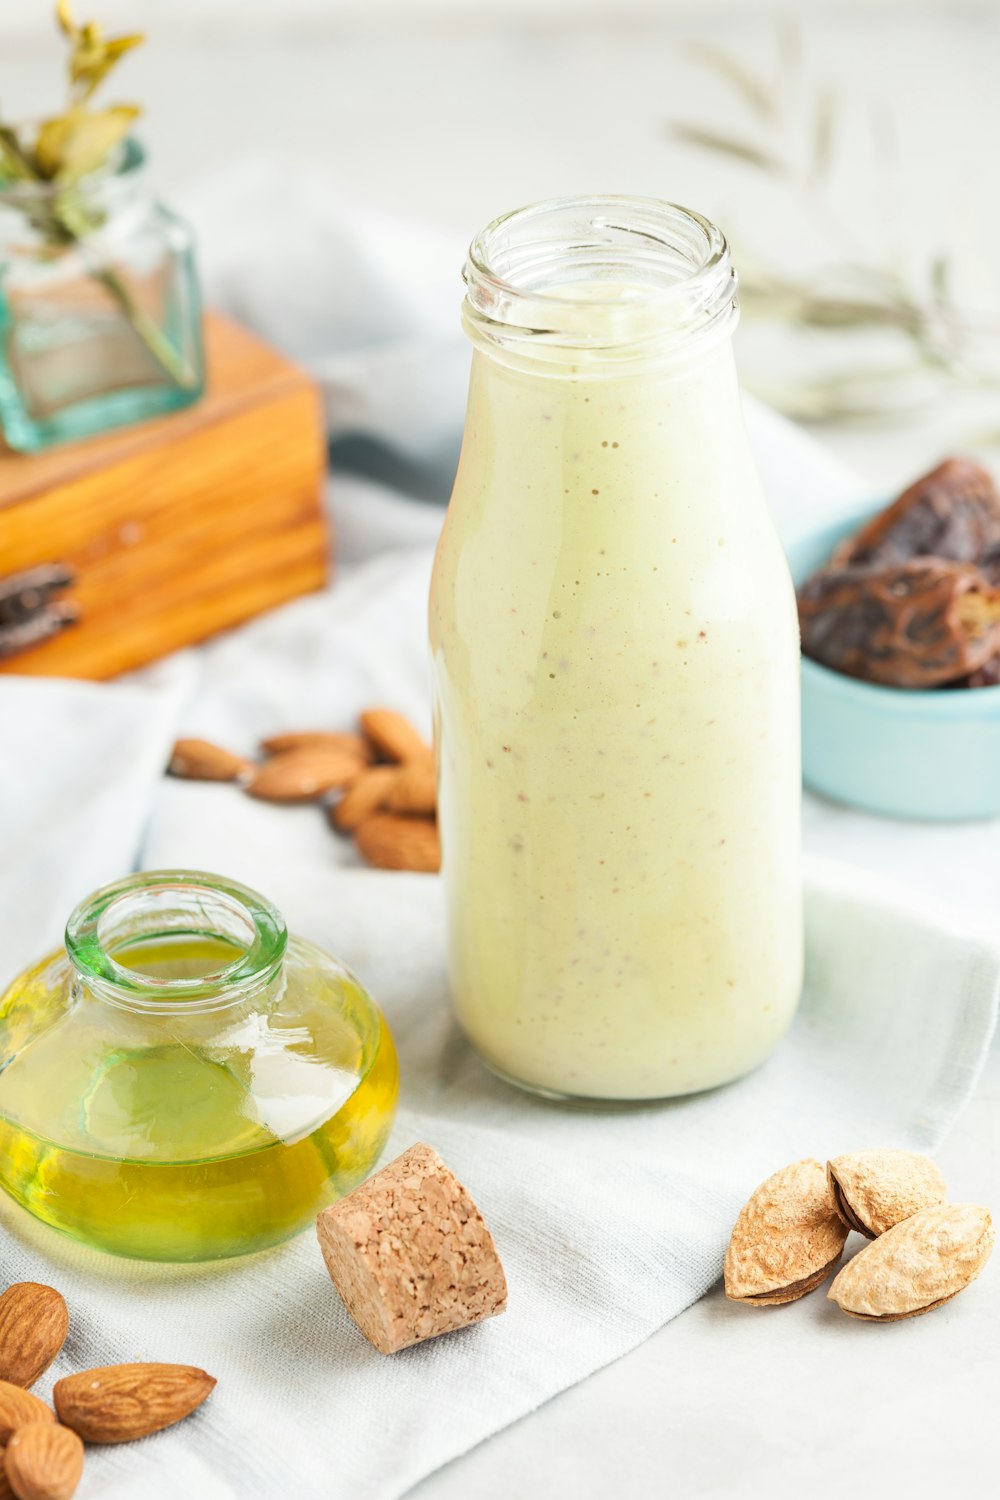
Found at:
(599, 288)
(175, 942)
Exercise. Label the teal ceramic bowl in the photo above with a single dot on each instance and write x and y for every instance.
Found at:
(930, 755)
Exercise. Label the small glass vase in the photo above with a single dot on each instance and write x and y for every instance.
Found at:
(100, 318)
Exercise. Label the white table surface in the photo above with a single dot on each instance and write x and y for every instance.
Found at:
(456, 122)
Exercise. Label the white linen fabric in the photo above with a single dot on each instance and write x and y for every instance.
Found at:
(609, 1222)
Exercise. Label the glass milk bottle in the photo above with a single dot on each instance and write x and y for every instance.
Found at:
(615, 654)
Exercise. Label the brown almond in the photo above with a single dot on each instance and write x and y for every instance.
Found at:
(414, 789)
(921, 1262)
(787, 1240)
(391, 841)
(364, 797)
(200, 760)
(874, 1190)
(317, 739)
(33, 1327)
(117, 1403)
(18, 1407)
(304, 775)
(393, 736)
(44, 1462)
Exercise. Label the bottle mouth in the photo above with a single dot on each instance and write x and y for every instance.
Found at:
(175, 940)
(597, 281)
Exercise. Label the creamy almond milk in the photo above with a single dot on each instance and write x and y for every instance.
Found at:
(616, 672)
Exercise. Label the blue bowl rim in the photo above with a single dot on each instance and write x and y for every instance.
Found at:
(931, 703)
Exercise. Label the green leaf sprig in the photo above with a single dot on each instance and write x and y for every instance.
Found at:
(69, 146)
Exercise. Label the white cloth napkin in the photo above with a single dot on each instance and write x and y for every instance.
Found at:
(609, 1223)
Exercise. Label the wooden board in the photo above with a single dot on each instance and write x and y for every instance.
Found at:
(180, 527)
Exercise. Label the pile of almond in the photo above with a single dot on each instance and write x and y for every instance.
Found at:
(377, 784)
(41, 1451)
(790, 1236)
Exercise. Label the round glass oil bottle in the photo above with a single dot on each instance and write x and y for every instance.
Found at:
(185, 1081)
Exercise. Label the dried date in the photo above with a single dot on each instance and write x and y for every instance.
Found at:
(29, 611)
(951, 513)
(917, 624)
(990, 566)
(987, 676)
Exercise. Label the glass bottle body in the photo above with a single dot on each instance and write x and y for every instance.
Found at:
(155, 1103)
(616, 673)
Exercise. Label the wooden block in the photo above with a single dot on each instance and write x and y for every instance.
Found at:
(181, 527)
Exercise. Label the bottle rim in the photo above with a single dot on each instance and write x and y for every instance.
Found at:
(578, 284)
(162, 903)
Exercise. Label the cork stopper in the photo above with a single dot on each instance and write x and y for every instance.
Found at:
(409, 1253)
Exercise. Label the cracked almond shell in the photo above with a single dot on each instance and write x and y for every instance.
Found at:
(921, 1262)
(874, 1190)
(787, 1239)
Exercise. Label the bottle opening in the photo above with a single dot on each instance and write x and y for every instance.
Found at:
(176, 938)
(588, 282)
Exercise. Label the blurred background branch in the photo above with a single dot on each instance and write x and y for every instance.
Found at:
(898, 334)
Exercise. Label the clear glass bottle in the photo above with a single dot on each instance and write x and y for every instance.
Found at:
(186, 1081)
(615, 653)
(100, 317)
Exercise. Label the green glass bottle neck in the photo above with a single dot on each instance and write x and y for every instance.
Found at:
(176, 941)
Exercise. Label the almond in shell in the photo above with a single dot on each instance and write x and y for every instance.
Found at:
(18, 1407)
(305, 775)
(117, 1403)
(200, 760)
(787, 1240)
(44, 1462)
(874, 1190)
(391, 841)
(921, 1262)
(393, 736)
(33, 1327)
